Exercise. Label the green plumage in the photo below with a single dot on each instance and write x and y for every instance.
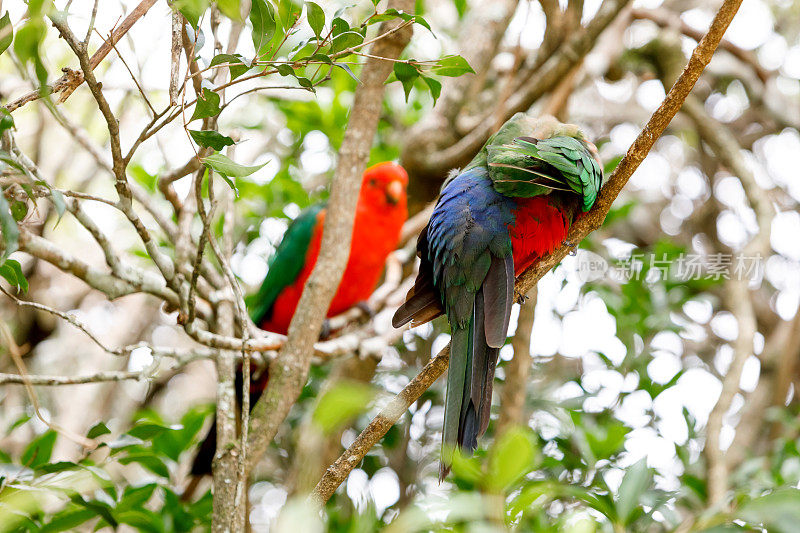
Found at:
(285, 265)
(531, 158)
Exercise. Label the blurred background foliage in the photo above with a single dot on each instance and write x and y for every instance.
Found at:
(622, 374)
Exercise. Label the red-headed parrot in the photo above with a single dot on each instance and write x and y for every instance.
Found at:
(513, 203)
(380, 214)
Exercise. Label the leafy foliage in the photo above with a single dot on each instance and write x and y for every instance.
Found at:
(87, 490)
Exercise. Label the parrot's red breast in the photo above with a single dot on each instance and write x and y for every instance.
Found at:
(539, 227)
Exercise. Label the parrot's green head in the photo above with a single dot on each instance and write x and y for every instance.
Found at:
(532, 156)
(539, 128)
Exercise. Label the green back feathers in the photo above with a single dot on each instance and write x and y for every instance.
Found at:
(529, 158)
(285, 265)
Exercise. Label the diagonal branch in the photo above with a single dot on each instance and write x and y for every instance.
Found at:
(658, 122)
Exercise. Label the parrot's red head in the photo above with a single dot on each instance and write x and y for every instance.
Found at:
(385, 185)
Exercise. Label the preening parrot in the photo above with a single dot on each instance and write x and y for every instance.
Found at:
(513, 203)
(380, 214)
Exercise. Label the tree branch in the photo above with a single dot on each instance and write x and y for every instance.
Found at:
(49, 381)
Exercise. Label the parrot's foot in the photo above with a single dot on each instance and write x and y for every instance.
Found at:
(326, 330)
(573, 247)
(366, 308)
(519, 297)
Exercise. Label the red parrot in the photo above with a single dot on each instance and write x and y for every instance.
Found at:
(380, 214)
(512, 204)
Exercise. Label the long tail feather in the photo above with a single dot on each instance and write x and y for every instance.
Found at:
(456, 376)
(469, 386)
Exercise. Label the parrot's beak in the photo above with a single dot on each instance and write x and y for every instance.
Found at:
(394, 192)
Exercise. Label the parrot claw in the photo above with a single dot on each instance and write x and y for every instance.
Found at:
(519, 297)
(326, 330)
(366, 308)
(573, 247)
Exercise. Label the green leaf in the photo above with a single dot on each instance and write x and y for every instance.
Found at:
(452, 66)
(225, 166)
(60, 466)
(29, 36)
(17, 423)
(148, 461)
(9, 227)
(236, 64)
(391, 14)
(191, 9)
(6, 120)
(511, 457)
(99, 508)
(778, 512)
(144, 520)
(11, 271)
(321, 58)
(345, 67)
(146, 430)
(134, 497)
(176, 441)
(58, 201)
(316, 17)
(144, 178)
(305, 83)
(68, 520)
(341, 403)
(38, 452)
(339, 26)
(636, 481)
(434, 86)
(6, 33)
(207, 105)
(231, 9)
(262, 17)
(38, 8)
(285, 70)
(98, 430)
(346, 40)
(211, 139)
(407, 74)
(19, 209)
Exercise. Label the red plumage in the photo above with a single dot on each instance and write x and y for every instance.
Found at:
(379, 219)
(540, 227)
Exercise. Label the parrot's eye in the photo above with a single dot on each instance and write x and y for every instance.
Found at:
(372, 183)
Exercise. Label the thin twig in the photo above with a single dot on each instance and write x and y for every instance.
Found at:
(175, 57)
(50, 381)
